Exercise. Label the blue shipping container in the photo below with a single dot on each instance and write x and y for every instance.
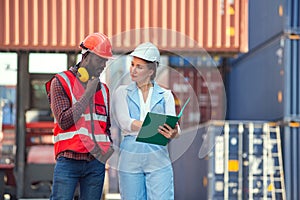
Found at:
(266, 20)
(255, 85)
(244, 162)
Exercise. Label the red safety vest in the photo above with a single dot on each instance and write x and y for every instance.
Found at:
(78, 138)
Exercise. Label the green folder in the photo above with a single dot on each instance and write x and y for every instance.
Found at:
(149, 133)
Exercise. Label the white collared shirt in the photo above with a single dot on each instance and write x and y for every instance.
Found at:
(144, 106)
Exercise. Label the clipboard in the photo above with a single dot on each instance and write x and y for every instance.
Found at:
(149, 133)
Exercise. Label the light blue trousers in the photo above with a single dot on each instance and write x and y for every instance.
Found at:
(156, 185)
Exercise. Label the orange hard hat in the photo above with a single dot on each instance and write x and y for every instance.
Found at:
(98, 44)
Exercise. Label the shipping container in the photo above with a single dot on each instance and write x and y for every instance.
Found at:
(182, 25)
(292, 99)
(266, 21)
(200, 79)
(292, 114)
(292, 77)
(246, 161)
(291, 160)
(264, 83)
(292, 60)
(255, 84)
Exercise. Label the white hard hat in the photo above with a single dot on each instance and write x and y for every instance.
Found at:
(147, 51)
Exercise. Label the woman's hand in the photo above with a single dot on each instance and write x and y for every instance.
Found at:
(136, 125)
(167, 131)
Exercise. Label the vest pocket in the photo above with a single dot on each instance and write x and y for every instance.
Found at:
(100, 109)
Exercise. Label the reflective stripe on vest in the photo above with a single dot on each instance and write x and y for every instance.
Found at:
(81, 131)
(87, 117)
(64, 76)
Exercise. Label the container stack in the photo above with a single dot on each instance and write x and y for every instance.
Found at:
(292, 95)
(264, 83)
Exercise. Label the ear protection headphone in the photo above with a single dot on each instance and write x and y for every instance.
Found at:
(83, 74)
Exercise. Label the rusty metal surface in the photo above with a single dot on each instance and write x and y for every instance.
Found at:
(180, 25)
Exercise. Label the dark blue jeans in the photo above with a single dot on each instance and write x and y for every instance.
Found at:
(69, 172)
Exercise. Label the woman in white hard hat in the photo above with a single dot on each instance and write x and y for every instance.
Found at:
(145, 170)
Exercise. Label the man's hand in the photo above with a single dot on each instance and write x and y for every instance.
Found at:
(91, 87)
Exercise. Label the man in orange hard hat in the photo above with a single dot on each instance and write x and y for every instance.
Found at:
(80, 104)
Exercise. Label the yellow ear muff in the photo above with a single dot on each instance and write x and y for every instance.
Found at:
(83, 74)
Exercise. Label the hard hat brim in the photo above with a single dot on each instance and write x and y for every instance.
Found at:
(133, 54)
(83, 51)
